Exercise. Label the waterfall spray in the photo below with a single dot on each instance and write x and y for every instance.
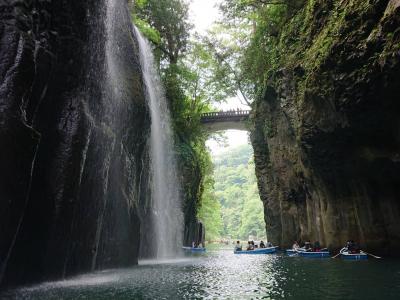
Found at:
(166, 217)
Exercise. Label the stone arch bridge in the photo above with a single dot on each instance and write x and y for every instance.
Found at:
(224, 120)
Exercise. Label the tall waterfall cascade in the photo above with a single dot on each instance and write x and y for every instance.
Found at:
(166, 216)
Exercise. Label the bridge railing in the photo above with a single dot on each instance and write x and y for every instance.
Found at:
(223, 114)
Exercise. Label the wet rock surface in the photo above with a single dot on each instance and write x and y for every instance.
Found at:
(72, 139)
(326, 130)
(192, 184)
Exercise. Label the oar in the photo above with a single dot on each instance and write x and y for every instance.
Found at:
(340, 252)
(375, 256)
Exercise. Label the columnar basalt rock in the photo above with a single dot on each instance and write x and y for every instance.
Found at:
(191, 177)
(326, 130)
(73, 132)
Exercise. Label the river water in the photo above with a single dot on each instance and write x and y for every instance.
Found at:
(220, 274)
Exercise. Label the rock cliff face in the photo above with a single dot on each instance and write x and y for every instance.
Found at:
(326, 130)
(73, 131)
(192, 185)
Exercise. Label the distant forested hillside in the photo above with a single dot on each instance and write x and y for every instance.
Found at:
(231, 206)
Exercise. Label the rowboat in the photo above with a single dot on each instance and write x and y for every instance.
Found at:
(294, 251)
(313, 254)
(291, 251)
(344, 254)
(268, 250)
(193, 249)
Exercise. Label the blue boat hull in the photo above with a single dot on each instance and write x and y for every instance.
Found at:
(190, 249)
(268, 250)
(319, 254)
(354, 256)
(291, 251)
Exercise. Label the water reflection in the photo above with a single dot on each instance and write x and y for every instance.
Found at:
(223, 275)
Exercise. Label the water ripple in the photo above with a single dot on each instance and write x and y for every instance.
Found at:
(223, 275)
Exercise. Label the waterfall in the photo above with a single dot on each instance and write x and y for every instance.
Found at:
(166, 217)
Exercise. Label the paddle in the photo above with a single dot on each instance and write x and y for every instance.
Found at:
(375, 256)
(340, 252)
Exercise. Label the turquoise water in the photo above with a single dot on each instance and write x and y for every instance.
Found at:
(220, 274)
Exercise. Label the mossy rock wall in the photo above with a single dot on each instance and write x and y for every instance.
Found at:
(191, 180)
(325, 131)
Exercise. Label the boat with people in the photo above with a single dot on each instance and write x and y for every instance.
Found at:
(308, 250)
(307, 253)
(352, 251)
(293, 250)
(348, 255)
(268, 250)
(314, 254)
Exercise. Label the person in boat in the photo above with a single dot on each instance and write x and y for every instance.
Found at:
(238, 246)
(307, 246)
(250, 246)
(317, 246)
(200, 245)
(295, 245)
(269, 244)
(262, 245)
(352, 247)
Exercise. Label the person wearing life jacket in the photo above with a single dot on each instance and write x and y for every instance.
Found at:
(307, 246)
(317, 246)
(352, 247)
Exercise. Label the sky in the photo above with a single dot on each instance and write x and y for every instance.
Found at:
(203, 13)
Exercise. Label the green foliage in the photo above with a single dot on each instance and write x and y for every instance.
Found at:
(226, 43)
(237, 55)
(235, 189)
(140, 3)
(184, 67)
(149, 32)
(210, 209)
(169, 18)
(245, 44)
(261, 55)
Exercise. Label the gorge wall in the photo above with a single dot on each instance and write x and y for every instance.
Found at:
(326, 132)
(73, 133)
(191, 178)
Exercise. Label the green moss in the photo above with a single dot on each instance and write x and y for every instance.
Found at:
(270, 129)
(310, 38)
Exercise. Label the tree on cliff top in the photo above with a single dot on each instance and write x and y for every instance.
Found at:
(243, 43)
(168, 20)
